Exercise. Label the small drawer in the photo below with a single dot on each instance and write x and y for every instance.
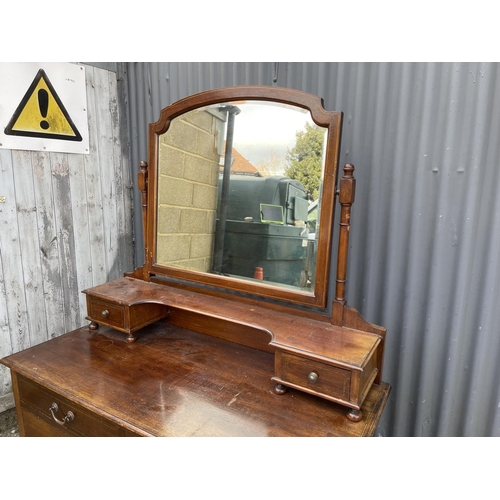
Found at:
(36, 402)
(106, 313)
(315, 376)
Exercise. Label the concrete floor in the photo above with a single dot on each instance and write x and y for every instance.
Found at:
(8, 423)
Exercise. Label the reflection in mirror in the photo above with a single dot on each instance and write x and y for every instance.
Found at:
(239, 187)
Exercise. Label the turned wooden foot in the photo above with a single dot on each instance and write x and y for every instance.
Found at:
(131, 338)
(279, 389)
(93, 325)
(355, 415)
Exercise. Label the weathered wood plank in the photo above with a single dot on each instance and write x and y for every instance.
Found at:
(64, 223)
(123, 184)
(50, 268)
(6, 398)
(93, 187)
(10, 249)
(29, 245)
(123, 146)
(107, 173)
(83, 258)
(5, 340)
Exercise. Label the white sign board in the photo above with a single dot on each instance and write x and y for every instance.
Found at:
(43, 107)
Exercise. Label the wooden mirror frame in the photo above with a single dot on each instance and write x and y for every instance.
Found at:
(332, 121)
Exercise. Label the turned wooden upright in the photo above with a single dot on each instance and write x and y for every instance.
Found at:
(343, 315)
(346, 193)
(142, 182)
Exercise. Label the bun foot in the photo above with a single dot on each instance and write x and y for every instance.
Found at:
(355, 415)
(279, 389)
(93, 326)
(131, 339)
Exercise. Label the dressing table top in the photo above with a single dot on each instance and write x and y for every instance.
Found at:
(176, 382)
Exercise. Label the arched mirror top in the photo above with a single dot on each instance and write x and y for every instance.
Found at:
(241, 187)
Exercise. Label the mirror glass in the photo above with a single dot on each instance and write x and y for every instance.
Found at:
(239, 192)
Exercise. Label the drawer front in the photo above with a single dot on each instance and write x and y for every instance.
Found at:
(106, 313)
(36, 402)
(315, 376)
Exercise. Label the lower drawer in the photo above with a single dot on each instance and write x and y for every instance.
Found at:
(38, 420)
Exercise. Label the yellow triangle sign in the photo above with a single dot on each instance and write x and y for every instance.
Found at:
(42, 114)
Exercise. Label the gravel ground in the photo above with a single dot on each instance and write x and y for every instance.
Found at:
(8, 424)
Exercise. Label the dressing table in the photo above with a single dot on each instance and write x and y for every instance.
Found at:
(224, 330)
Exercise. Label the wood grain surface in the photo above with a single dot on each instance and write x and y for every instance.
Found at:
(176, 382)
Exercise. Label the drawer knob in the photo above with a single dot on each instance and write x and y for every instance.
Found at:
(105, 313)
(312, 377)
(67, 418)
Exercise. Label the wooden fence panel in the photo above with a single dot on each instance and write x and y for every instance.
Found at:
(65, 225)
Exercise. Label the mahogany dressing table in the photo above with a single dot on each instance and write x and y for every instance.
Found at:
(224, 330)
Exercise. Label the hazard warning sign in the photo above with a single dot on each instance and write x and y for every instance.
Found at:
(49, 112)
(42, 114)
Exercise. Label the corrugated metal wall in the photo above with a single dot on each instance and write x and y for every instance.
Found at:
(424, 138)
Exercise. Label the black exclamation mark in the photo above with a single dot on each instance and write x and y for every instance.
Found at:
(43, 103)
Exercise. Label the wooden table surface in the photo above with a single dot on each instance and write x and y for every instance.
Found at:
(176, 382)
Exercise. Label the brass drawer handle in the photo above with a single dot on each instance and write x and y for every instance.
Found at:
(312, 377)
(105, 313)
(68, 418)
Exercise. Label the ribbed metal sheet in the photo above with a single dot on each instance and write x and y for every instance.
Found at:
(425, 234)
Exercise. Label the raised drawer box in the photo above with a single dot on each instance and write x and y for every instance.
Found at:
(107, 313)
(127, 315)
(316, 376)
(338, 382)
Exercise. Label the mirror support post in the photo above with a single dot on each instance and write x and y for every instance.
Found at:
(142, 183)
(232, 111)
(346, 199)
